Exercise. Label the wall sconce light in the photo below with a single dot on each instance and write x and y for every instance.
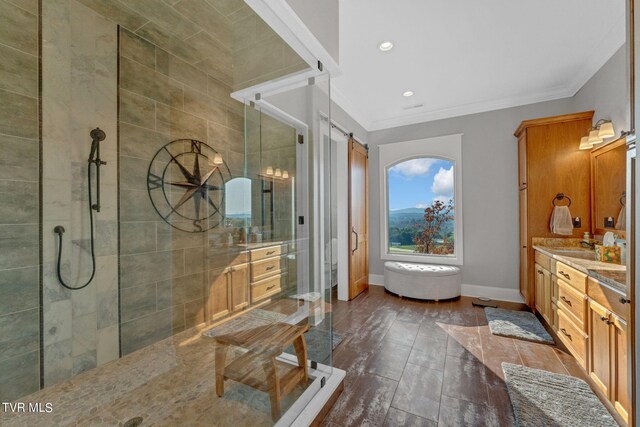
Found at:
(605, 130)
(217, 159)
(585, 144)
(278, 172)
(269, 170)
(285, 174)
(602, 130)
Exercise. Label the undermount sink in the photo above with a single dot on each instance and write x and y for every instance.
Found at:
(577, 253)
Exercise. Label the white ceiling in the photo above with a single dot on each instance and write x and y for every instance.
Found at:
(468, 56)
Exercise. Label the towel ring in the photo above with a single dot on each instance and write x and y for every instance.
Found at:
(561, 196)
(623, 198)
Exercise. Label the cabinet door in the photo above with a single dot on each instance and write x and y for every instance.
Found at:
(546, 295)
(539, 289)
(219, 300)
(522, 161)
(599, 364)
(239, 287)
(524, 260)
(620, 385)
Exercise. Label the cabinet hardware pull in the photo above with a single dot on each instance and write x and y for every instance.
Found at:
(539, 271)
(271, 252)
(604, 318)
(625, 300)
(271, 267)
(563, 298)
(565, 274)
(564, 331)
(271, 287)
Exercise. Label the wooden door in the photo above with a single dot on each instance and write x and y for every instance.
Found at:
(219, 293)
(538, 283)
(239, 284)
(358, 219)
(522, 161)
(620, 368)
(524, 250)
(546, 295)
(599, 364)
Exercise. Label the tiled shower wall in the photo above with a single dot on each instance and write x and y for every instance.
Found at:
(179, 62)
(79, 93)
(19, 200)
(164, 273)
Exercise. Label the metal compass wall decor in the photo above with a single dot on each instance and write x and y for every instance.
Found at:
(186, 181)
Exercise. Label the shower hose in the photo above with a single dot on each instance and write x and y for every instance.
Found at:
(60, 231)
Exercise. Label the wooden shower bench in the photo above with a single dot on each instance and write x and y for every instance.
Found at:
(258, 367)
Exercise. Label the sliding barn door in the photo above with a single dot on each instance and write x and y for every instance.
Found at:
(358, 219)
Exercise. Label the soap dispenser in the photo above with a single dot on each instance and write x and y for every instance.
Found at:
(585, 238)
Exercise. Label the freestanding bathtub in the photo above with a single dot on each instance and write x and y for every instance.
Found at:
(422, 281)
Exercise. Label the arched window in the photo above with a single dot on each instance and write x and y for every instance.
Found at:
(421, 207)
(421, 200)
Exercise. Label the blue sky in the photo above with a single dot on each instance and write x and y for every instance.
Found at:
(416, 183)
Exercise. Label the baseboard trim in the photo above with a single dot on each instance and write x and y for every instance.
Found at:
(500, 294)
(376, 279)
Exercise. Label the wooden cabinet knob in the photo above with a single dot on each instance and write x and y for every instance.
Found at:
(625, 300)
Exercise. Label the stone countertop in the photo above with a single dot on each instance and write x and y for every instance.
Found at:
(613, 275)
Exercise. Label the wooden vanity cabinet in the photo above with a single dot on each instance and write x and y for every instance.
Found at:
(228, 290)
(608, 356)
(600, 346)
(620, 368)
(549, 162)
(543, 293)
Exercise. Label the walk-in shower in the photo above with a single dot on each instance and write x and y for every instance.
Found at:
(122, 282)
(97, 136)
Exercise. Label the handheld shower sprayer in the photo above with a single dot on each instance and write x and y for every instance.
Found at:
(97, 135)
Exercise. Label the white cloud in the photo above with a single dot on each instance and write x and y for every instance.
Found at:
(443, 182)
(414, 167)
(422, 205)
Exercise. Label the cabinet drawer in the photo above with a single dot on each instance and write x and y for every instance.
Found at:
(572, 302)
(265, 288)
(268, 267)
(543, 261)
(571, 276)
(607, 297)
(271, 251)
(573, 337)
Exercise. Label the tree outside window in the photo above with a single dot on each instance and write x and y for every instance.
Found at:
(421, 207)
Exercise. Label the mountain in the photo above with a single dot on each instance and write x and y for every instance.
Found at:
(405, 211)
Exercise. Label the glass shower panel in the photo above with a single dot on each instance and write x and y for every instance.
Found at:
(202, 224)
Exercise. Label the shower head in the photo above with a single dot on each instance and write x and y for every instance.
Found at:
(98, 135)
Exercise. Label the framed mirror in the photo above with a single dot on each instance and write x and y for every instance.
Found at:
(608, 184)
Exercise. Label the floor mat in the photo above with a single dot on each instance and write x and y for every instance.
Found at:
(517, 324)
(542, 398)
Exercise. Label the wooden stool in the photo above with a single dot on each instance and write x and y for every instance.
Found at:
(258, 367)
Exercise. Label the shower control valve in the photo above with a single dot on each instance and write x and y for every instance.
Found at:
(58, 229)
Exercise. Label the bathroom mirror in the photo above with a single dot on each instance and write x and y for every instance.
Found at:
(608, 168)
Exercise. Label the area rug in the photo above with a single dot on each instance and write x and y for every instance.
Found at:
(517, 324)
(541, 398)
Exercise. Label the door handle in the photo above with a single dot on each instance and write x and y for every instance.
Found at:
(353, 230)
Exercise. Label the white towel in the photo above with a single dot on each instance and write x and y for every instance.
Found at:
(621, 223)
(561, 221)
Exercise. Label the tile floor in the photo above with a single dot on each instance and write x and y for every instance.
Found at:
(413, 363)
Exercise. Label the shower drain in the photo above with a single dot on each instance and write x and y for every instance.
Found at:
(133, 422)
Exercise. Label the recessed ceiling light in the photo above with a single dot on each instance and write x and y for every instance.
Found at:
(385, 46)
(408, 93)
